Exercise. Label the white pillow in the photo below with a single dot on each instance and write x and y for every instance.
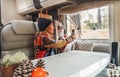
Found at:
(84, 46)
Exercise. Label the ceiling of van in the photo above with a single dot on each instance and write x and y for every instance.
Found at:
(83, 5)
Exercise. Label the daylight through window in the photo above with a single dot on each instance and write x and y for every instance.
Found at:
(90, 24)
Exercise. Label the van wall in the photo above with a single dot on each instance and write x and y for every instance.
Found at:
(116, 20)
(116, 23)
(8, 11)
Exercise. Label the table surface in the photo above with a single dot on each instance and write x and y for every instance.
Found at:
(76, 64)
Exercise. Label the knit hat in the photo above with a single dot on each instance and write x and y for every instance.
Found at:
(43, 23)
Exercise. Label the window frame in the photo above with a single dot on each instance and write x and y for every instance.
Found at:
(111, 28)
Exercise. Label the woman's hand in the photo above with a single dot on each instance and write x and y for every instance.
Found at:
(70, 38)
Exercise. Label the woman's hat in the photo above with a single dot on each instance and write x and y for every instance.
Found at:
(43, 23)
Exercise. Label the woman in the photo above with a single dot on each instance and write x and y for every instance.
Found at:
(44, 39)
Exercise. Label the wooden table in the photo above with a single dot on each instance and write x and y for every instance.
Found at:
(0, 71)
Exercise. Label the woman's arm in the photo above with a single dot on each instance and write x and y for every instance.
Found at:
(58, 44)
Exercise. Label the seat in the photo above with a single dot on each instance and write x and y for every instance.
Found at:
(17, 36)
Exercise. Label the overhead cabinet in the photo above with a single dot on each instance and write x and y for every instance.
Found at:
(27, 6)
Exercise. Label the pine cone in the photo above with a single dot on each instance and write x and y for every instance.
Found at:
(24, 69)
(40, 63)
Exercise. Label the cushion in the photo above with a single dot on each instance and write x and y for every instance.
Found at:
(102, 47)
(36, 26)
(84, 46)
(23, 27)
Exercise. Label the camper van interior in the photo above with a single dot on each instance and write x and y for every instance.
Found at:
(70, 38)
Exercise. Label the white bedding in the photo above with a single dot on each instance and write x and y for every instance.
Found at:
(76, 64)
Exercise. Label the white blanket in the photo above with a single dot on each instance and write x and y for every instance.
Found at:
(76, 64)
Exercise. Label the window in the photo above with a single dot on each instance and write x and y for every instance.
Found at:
(90, 24)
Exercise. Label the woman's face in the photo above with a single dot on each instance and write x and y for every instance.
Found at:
(50, 28)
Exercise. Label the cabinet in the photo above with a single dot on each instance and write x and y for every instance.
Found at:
(24, 6)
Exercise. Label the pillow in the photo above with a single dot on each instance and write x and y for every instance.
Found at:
(84, 46)
(23, 27)
(102, 47)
